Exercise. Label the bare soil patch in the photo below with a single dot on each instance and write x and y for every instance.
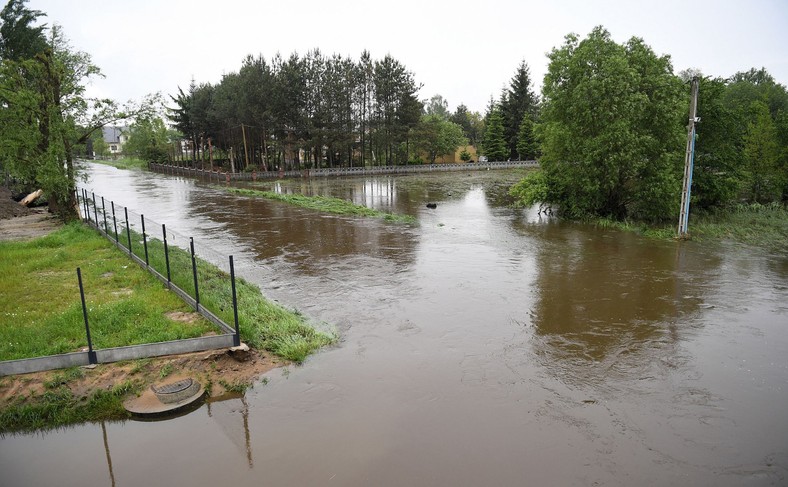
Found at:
(21, 223)
(215, 370)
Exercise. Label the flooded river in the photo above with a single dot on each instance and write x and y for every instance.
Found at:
(483, 346)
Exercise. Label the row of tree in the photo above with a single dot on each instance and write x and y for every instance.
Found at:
(339, 112)
(611, 133)
(304, 111)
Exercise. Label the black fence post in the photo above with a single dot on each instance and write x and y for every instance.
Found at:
(104, 213)
(144, 239)
(194, 272)
(95, 210)
(85, 204)
(166, 253)
(114, 221)
(128, 228)
(237, 337)
(91, 353)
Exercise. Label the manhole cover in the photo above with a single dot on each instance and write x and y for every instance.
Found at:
(174, 387)
(176, 391)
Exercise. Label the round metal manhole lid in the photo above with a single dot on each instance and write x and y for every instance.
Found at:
(176, 391)
(174, 387)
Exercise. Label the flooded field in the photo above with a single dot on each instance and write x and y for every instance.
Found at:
(483, 346)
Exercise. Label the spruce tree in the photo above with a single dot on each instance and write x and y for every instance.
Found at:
(494, 143)
(518, 101)
(526, 142)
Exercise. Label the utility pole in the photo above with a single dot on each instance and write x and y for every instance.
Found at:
(689, 161)
(246, 152)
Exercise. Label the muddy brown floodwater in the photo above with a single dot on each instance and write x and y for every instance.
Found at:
(485, 346)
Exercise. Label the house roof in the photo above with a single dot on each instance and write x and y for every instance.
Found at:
(112, 134)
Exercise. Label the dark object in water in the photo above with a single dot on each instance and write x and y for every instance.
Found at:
(432, 205)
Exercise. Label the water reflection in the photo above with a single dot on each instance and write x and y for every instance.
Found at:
(108, 454)
(607, 301)
(274, 230)
(405, 194)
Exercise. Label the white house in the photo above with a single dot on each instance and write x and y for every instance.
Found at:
(115, 137)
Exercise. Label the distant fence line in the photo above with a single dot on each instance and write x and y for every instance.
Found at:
(115, 223)
(338, 171)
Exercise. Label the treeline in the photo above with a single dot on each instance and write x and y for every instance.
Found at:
(304, 111)
(317, 110)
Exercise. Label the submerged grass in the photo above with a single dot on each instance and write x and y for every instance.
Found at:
(123, 163)
(325, 204)
(40, 306)
(757, 225)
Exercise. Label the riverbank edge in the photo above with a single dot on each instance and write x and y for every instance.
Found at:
(51, 399)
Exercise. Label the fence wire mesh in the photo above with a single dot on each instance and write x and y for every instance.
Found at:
(174, 256)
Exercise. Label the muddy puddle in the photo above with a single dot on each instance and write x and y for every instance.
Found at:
(484, 346)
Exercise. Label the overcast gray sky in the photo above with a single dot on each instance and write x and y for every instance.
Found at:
(464, 50)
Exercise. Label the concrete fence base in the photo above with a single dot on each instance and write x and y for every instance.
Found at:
(109, 355)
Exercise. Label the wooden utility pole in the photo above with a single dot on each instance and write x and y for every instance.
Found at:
(210, 152)
(689, 160)
(246, 152)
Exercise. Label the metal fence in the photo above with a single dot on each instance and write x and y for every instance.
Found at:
(168, 255)
(337, 171)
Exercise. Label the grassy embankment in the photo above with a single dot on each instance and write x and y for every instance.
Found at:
(42, 314)
(124, 163)
(41, 308)
(758, 225)
(323, 203)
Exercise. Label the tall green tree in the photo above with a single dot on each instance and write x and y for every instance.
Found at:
(100, 146)
(148, 140)
(761, 154)
(438, 137)
(20, 39)
(611, 129)
(471, 123)
(527, 146)
(494, 144)
(437, 106)
(746, 95)
(717, 173)
(397, 109)
(517, 102)
(46, 118)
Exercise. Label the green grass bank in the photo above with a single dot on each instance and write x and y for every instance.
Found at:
(41, 314)
(324, 204)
